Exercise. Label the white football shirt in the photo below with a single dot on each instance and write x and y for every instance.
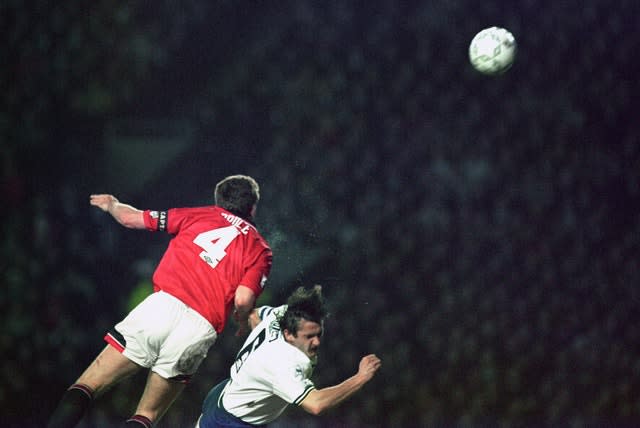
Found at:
(268, 374)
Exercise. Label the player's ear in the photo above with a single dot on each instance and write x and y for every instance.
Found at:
(288, 337)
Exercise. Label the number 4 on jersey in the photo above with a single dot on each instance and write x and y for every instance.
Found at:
(214, 243)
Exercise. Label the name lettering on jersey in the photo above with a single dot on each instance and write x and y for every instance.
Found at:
(238, 222)
(274, 331)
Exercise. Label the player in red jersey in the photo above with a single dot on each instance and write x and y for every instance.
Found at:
(215, 265)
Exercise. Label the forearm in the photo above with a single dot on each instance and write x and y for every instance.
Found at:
(322, 399)
(127, 215)
(244, 303)
(124, 214)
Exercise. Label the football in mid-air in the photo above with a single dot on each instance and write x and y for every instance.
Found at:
(492, 51)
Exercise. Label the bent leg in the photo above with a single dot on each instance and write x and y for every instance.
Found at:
(158, 395)
(109, 368)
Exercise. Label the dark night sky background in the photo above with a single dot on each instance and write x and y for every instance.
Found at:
(480, 234)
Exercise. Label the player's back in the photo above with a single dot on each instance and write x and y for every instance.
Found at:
(212, 252)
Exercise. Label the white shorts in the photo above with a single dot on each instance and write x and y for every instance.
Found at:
(165, 335)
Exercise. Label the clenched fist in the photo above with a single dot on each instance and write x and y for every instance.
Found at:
(369, 365)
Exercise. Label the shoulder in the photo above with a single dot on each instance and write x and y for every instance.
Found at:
(267, 319)
(271, 312)
(290, 362)
(180, 213)
(210, 215)
(203, 210)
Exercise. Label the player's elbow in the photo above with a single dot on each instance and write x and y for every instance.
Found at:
(314, 403)
(314, 409)
(244, 299)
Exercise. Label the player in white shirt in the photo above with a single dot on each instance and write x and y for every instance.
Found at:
(273, 368)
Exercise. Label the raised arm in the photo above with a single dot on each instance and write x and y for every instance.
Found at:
(124, 214)
(244, 303)
(322, 399)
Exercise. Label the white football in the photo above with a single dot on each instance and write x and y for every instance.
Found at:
(492, 50)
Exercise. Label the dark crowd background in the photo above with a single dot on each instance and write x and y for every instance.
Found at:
(480, 234)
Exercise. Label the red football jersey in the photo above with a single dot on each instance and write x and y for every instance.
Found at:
(211, 253)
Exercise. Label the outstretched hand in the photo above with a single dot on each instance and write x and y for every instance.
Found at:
(102, 201)
(369, 365)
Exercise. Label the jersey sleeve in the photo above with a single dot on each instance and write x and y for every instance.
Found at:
(264, 311)
(170, 221)
(256, 275)
(267, 311)
(291, 383)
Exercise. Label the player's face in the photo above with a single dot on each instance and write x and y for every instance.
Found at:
(308, 338)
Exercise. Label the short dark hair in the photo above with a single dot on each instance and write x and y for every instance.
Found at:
(307, 304)
(237, 194)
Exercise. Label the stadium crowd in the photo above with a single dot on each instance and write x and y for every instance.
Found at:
(480, 235)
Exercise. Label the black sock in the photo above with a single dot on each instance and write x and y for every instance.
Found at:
(138, 421)
(72, 407)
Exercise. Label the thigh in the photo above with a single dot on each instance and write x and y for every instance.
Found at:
(141, 334)
(186, 347)
(159, 393)
(109, 367)
(214, 415)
